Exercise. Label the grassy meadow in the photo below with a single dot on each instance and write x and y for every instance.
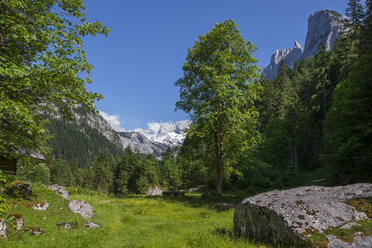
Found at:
(137, 221)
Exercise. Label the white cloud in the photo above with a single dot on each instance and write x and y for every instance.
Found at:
(113, 120)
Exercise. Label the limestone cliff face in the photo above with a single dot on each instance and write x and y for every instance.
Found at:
(323, 28)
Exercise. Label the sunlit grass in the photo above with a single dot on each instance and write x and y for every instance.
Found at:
(138, 221)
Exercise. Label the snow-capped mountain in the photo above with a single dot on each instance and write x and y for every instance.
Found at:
(168, 133)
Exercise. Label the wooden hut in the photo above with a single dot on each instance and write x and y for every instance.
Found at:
(9, 166)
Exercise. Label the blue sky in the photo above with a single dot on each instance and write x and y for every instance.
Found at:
(137, 65)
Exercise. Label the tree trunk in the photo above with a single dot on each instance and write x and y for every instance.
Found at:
(219, 162)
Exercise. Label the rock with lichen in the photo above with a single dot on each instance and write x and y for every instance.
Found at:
(81, 207)
(60, 190)
(291, 216)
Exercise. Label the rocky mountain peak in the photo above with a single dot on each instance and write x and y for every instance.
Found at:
(288, 55)
(323, 28)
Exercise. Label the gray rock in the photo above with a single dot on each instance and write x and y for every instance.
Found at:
(2, 228)
(92, 225)
(18, 221)
(288, 55)
(64, 225)
(359, 242)
(323, 28)
(81, 207)
(41, 206)
(59, 190)
(35, 230)
(154, 191)
(290, 216)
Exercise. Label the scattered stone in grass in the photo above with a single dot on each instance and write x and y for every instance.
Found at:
(81, 207)
(17, 220)
(60, 190)
(42, 206)
(89, 224)
(64, 225)
(2, 228)
(223, 206)
(35, 230)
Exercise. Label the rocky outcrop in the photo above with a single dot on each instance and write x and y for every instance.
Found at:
(322, 28)
(60, 190)
(154, 191)
(287, 55)
(81, 207)
(290, 216)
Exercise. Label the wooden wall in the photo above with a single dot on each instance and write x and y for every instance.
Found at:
(8, 166)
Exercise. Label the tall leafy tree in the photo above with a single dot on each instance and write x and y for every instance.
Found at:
(42, 62)
(218, 92)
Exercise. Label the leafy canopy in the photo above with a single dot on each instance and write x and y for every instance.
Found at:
(218, 91)
(42, 62)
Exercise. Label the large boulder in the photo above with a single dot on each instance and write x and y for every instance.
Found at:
(81, 207)
(60, 190)
(291, 216)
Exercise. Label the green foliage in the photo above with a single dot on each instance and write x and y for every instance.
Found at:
(60, 173)
(4, 207)
(218, 92)
(102, 172)
(38, 172)
(40, 66)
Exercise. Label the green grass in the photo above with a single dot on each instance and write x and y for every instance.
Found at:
(138, 221)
